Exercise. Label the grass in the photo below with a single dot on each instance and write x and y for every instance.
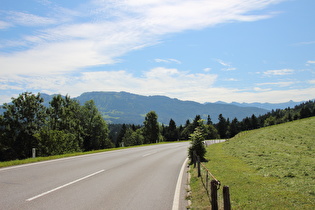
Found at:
(268, 168)
(38, 159)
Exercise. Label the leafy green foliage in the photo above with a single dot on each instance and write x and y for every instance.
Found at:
(63, 127)
(21, 120)
(132, 137)
(95, 130)
(151, 128)
(55, 142)
(197, 146)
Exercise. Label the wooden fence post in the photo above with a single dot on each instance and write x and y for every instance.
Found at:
(214, 195)
(198, 164)
(194, 158)
(226, 198)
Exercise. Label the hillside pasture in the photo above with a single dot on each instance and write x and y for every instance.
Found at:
(267, 168)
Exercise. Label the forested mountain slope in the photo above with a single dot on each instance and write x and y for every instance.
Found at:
(123, 107)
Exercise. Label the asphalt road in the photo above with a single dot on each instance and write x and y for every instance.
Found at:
(135, 178)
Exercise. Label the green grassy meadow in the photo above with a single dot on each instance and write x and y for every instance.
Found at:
(267, 168)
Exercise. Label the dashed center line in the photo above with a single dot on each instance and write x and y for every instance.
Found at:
(149, 154)
(65, 185)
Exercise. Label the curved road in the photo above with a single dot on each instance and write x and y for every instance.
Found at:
(135, 178)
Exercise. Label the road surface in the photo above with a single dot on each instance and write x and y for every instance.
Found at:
(135, 178)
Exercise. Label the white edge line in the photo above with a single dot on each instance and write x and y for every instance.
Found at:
(178, 186)
(65, 185)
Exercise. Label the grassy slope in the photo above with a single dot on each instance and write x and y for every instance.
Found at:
(268, 168)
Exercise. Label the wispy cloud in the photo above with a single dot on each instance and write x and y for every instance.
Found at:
(280, 72)
(160, 80)
(112, 28)
(57, 52)
(169, 60)
(228, 66)
(262, 89)
(231, 80)
(304, 43)
(279, 84)
(4, 24)
(157, 81)
(26, 19)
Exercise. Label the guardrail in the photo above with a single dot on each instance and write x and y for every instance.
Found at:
(212, 185)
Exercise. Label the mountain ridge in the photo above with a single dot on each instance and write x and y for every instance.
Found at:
(268, 106)
(124, 107)
(129, 108)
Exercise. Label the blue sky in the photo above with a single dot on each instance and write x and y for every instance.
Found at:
(200, 50)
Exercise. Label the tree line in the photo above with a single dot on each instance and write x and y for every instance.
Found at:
(127, 134)
(65, 126)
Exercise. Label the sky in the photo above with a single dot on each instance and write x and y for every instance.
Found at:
(198, 50)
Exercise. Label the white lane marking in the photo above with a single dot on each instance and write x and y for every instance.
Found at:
(178, 186)
(149, 154)
(65, 185)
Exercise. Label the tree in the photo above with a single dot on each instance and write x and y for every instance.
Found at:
(190, 127)
(95, 130)
(151, 128)
(171, 133)
(234, 127)
(305, 112)
(270, 121)
(121, 135)
(254, 122)
(209, 121)
(197, 146)
(21, 120)
(222, 126)
(211, 132)
(56, 142)
(65, 114)
(133, 137)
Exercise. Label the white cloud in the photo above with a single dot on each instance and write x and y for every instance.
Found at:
(171, 82)
(113, 28)
(304, 43)
(169, 60)
(231, 80)
(207, 69)
(161, 81)
(223, 63)
(228, 66)
(27, 19)
(280, 84)
(310, 62)
(311, 81)
(261, 89)
(4, 25)
(52, 58)
(280, 72)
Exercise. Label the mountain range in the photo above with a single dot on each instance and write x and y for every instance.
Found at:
(124, 107)
(268, 106)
